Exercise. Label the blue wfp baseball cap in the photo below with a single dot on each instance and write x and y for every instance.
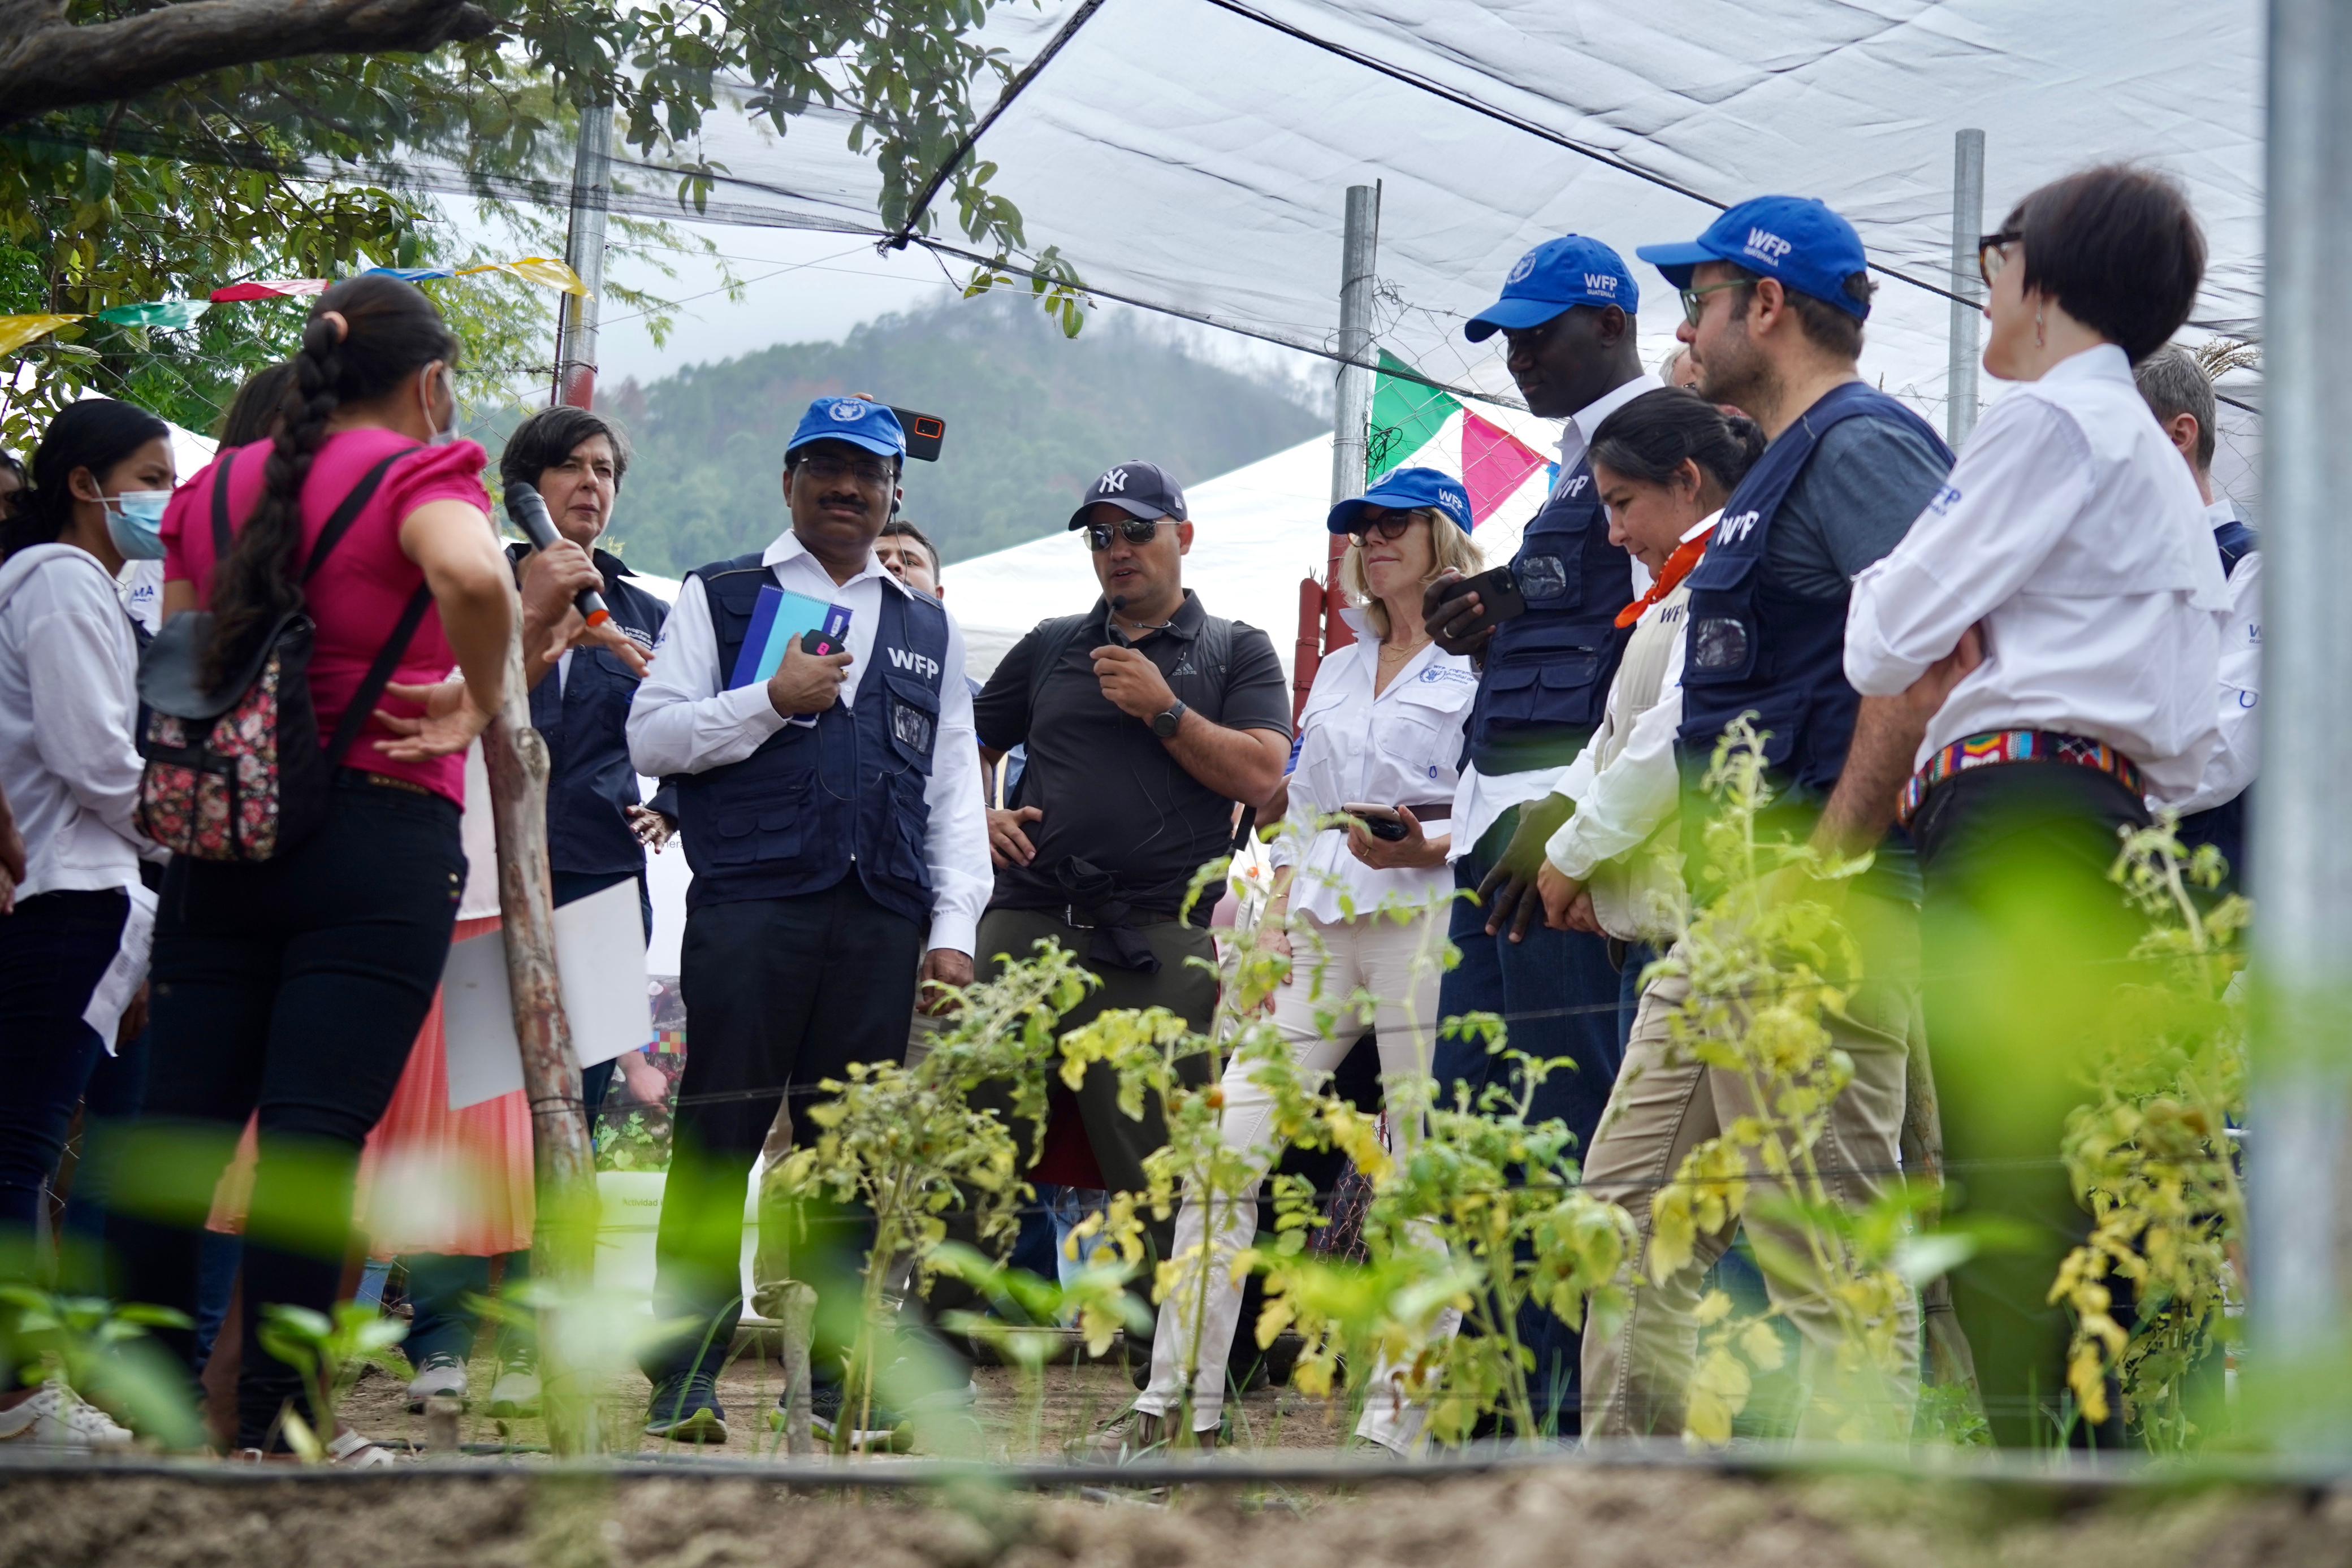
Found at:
(1558, 273)
(1407, 490)
(852, 419)
(1795, 239)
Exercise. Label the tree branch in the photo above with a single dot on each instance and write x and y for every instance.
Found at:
(46, 63)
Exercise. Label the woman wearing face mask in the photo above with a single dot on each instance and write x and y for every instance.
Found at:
(1382, 730)
(69, 669)
(293, 987)
(1663, 465)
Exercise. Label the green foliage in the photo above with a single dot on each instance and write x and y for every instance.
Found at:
(1767, 958)
(101, 1351)
(910, 1144)
(2151, 1155)
(1031, 421)
(331, 1352)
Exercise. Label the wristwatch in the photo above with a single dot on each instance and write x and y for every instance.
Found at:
(1164, 725)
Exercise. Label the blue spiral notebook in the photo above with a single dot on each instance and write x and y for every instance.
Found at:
(779, 619)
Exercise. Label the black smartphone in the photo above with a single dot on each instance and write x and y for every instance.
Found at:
(1499, 599)
(925, 431)
(1382, 821)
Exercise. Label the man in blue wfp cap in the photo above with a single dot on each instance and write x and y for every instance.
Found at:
(800, 798)
(1774, 296)
(1566, 319)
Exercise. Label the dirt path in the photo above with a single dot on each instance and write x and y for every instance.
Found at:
(1078, 1401)
(1567, 1518)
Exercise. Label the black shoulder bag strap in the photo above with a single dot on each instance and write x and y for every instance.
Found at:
(379, 674)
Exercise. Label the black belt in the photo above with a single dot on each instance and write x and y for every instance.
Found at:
(1437, 811)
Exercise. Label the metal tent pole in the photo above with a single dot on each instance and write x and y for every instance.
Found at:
(1968, 228)
(2302, 1100)
(1352, 411)
(591, 202)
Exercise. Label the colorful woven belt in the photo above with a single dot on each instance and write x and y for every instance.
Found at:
(2016, 746)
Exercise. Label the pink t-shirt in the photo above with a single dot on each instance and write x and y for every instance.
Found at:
(357, 597)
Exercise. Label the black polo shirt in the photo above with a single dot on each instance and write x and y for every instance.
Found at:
(1112, 794)
(583, 715)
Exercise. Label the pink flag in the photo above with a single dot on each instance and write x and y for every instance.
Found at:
(1494, 464)
(269, 289)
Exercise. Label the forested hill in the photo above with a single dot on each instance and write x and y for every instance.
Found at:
(1032, 416)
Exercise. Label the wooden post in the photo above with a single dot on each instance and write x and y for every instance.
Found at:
(563, 1241)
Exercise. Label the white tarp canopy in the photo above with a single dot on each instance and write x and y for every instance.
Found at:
(1192, 154)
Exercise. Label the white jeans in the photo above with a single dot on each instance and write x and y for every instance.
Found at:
(1370, 954)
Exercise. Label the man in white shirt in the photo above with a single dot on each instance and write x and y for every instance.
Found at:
(1567, 315)
(831, 812)
(2181, 395)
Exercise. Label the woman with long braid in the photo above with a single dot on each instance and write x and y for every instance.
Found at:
(293, 987)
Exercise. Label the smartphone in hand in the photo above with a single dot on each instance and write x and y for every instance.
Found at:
(1382, 822)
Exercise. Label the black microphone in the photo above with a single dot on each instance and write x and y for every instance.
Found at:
(530, 514)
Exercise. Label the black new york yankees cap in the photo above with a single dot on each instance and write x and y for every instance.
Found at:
(1139, 489)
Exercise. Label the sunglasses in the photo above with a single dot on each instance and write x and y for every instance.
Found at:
(1695, 299)
(1993, 254)
(825, 467)
(1390, 528)
(1134, 530)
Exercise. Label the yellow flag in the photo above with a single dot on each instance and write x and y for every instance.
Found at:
(16, 332)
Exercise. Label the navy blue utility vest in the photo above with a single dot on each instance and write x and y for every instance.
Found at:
(1755, 648)
(1546, 680)
(2224, 827)
(583, 715)
(816, 801)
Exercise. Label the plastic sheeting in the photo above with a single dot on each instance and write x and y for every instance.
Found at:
(1193, 154)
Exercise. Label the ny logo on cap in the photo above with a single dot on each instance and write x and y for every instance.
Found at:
(1112, 484)
(1519, 274)
(1766, 246)
(849, 411)
(1601, 282)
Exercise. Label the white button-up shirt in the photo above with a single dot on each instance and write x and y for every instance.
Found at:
(2071, 531)
(1395, 747)
(2239, 757)
(685, 720)
(1481, 797)
(1620, 806)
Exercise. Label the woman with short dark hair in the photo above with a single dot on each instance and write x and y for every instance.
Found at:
(2038, 659)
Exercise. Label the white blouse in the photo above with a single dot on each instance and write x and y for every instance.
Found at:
(2071, 531)
(1399, 748)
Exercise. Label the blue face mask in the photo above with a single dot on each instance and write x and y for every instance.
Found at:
(134, 521)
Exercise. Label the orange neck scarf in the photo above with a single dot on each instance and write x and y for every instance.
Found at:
(1678, 566)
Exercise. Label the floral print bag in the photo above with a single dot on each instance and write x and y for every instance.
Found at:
(235, 771)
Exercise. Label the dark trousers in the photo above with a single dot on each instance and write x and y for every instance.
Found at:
(781, 994)
(2022, 933)
(570, 887)
(1559, 996)
(52, 951)
(1120, 1143)
(440, 1288)
(293, 988)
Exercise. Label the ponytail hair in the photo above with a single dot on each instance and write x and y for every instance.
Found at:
(1650, 439)
(366, 336)
(95, 434)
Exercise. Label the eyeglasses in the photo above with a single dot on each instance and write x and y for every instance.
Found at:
(825, 467)
(1695, 299)
(1134, 530)
(1993, 254)
(1390, 528)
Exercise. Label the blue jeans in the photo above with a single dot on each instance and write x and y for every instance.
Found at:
(1559, 996)
(52, 951)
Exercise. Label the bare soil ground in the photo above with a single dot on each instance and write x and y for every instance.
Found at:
(1569, 1517)
(1078, 1402)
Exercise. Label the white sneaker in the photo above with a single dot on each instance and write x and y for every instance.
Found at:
(438, 1376)
(57, 1417)
(515, 1394)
